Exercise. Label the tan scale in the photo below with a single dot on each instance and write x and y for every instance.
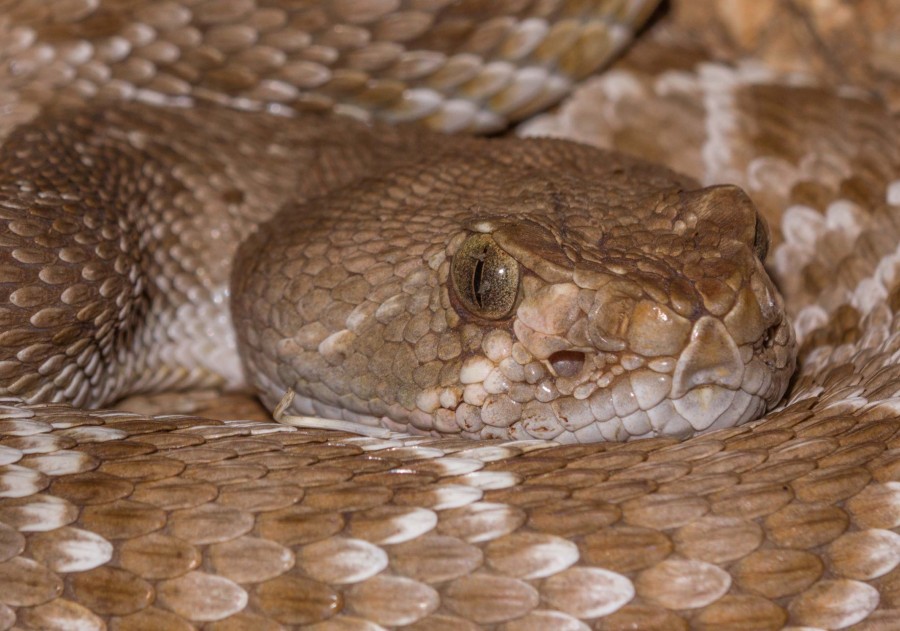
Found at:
(193, 119)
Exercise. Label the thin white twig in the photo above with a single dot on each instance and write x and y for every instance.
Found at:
(312, 422)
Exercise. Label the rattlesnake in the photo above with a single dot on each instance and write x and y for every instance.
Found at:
(114, 518)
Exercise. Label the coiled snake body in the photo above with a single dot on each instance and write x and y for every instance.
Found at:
(507, 290)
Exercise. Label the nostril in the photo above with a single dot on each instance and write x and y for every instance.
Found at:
(767, 340)
(566, 363)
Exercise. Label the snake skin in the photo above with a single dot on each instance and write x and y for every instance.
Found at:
(118, 520)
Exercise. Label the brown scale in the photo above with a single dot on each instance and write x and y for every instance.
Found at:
(763, 529)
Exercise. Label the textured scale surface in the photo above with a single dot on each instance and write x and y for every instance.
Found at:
(469, 65)
(671, 327)
(122, 520)
(115, 518)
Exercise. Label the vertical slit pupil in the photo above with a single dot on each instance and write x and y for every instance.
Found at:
(477, 277)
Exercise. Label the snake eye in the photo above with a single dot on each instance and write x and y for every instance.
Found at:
(485, 277)
(761, 239)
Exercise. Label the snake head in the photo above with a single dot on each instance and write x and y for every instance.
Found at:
(611, 339)
(557, 292)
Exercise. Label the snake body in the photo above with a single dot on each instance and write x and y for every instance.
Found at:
(369, 276)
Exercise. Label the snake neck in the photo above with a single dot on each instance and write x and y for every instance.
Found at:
(122, 225)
